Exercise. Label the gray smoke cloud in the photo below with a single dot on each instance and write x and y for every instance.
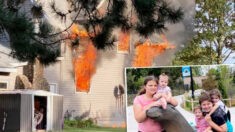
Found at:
(177, 34)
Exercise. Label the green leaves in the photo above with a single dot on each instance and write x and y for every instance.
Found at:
(214, 34)
(25, 45)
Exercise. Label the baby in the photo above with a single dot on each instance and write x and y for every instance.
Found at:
(163, 93)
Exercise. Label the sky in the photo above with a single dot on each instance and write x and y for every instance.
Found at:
(231, 59)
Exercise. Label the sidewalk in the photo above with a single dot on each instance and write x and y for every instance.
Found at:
(132, 125)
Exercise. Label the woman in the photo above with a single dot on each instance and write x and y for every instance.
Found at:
(145, 101)
(218, 120)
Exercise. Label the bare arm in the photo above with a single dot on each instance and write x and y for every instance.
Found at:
(157, 96)
(140, 112)
(172, 101)
(213, 109)
(168, 95)
(208, 129)
(221, 128)
(40, 119)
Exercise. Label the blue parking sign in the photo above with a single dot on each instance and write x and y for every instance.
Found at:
(186, 71)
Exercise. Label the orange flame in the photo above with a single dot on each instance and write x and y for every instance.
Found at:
(76, 33)
(83, 63)
(124, 39)
(84, 68)
(145, 53)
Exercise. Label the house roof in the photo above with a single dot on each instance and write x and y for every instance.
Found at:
(6, 60)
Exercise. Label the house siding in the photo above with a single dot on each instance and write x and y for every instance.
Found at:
(10, 79)
(99, 103)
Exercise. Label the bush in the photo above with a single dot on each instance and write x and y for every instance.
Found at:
(78, 123)
(188, 105)
(130, 99)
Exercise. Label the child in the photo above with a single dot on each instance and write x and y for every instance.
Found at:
(201, 124)
(217, 120)
(163, 93)
(217, 102)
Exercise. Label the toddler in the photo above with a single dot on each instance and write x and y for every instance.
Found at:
(163, 93)
(201, 124)
(217, 101)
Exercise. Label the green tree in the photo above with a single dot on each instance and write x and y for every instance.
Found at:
(26, 44)
(224, 80)
(27, 41)
(197, 71)
(213, 42)
(211, 82)
(135, 77)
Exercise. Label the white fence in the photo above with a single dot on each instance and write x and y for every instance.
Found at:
(196, 101)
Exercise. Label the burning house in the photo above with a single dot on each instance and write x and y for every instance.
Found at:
(92, 81)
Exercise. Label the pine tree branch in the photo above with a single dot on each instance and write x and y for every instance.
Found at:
(49, 43)
(90, 17)
(66, 29)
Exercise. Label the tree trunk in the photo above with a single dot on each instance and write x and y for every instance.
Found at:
(170, 119)
(28, 71)
(39, 82)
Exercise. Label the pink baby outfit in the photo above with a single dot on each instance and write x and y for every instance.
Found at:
(201, 124)
(163, 90)
(148, 125)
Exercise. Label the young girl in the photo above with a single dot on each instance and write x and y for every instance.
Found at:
(201, 124)
(217, 102)
(163, 93)
(143, 102)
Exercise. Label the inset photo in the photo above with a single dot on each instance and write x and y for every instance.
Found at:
(181, 98)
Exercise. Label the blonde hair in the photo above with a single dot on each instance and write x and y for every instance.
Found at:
(163, 75)
(215, 92)
(146, 80)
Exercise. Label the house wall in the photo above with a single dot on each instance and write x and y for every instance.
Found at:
(100, 103)
(10, 79)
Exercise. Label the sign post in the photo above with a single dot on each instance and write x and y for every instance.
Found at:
(187, 71)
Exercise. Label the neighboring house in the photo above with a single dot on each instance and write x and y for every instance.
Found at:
(198, 80)
(9, 68)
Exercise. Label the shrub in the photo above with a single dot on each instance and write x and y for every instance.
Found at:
(78, 123)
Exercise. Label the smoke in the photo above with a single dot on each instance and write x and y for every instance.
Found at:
(178, 34)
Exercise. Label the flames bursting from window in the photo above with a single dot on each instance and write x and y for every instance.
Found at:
(124, 42)
(83, 59)
(85, 55)
(145, 53)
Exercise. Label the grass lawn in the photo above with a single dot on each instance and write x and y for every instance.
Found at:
(96, 129)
